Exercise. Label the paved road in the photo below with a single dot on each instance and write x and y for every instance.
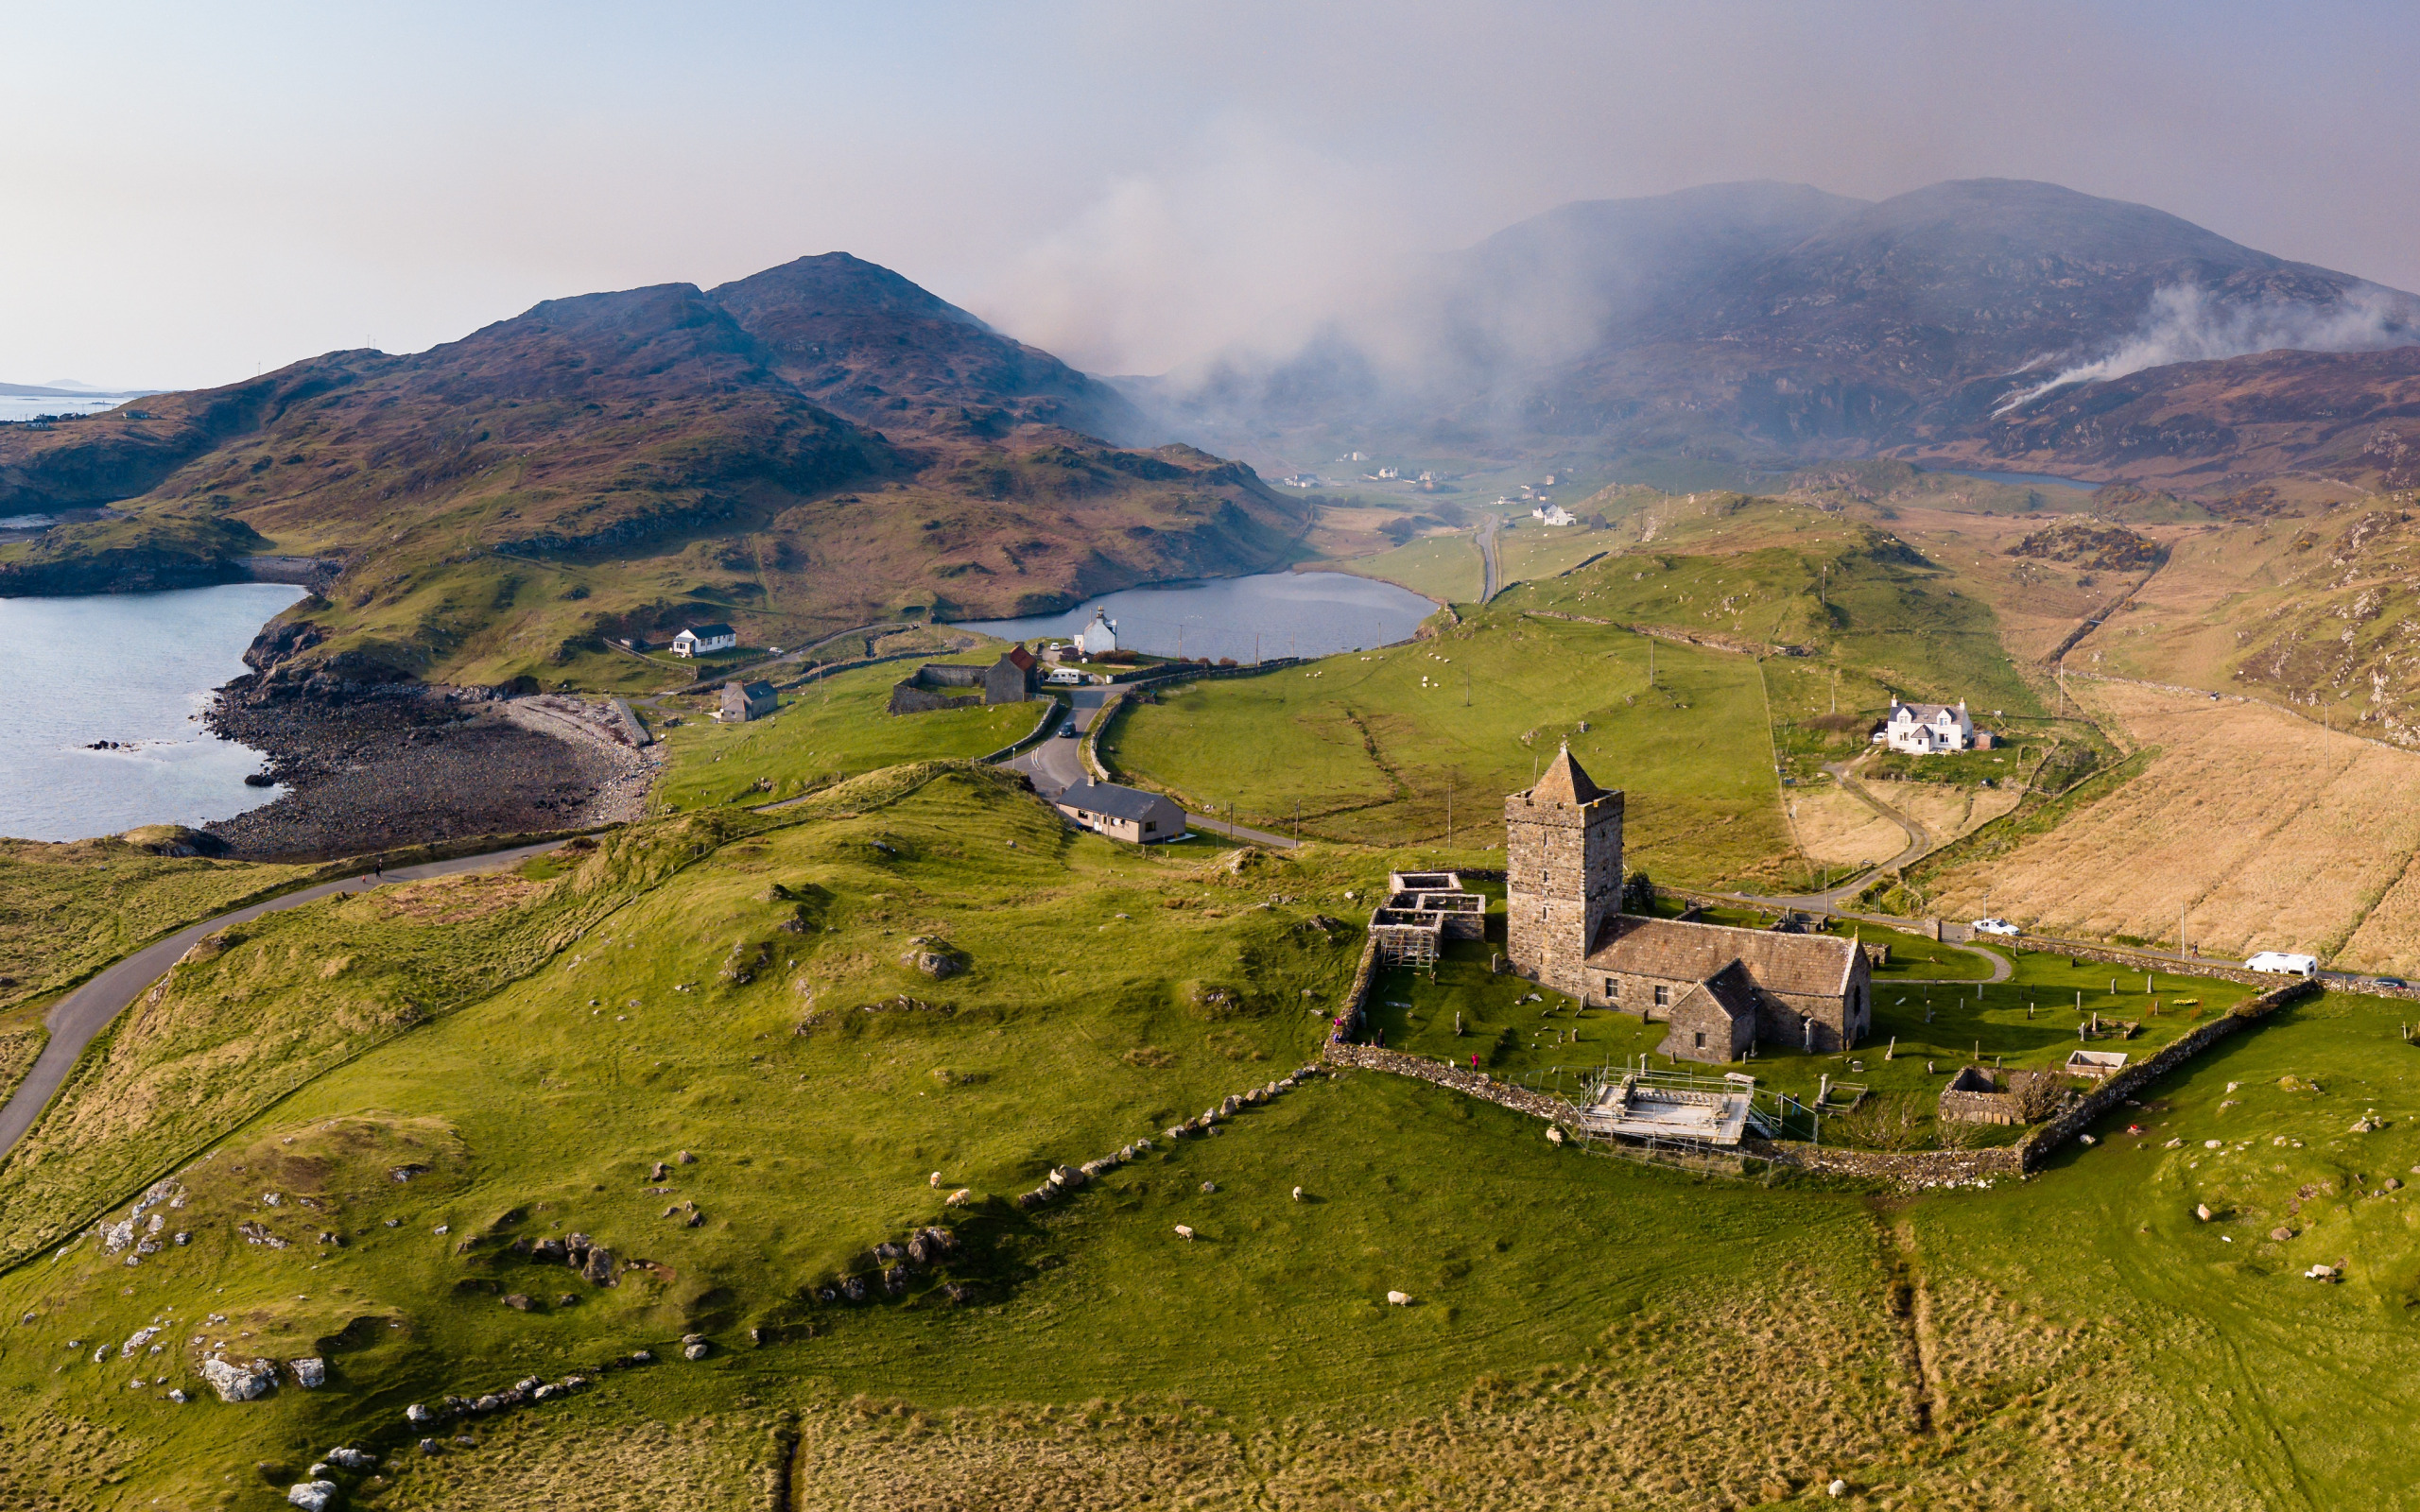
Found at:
(75, 1019)
(1493, 576)
(1056, 765)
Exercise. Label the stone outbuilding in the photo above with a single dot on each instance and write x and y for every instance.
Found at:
(743, 701)
(1723, 989)
(1013, 679)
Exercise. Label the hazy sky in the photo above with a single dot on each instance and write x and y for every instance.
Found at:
(188, 192)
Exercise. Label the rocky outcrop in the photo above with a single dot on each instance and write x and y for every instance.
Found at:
(238, 1382)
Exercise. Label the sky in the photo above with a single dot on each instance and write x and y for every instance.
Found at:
(190, 194)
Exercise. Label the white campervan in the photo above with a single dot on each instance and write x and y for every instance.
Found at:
(2284, 963)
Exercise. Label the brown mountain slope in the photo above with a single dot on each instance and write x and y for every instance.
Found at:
(866, 343)
(618, 463)
(2211, 426)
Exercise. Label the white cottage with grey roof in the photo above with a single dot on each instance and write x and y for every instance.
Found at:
(1928, 729)
(1122, 812)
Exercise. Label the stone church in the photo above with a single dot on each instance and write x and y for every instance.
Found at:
(1721, 988)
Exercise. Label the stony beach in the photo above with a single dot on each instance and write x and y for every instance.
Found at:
(407, 765)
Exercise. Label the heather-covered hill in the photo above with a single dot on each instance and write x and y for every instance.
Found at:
(619, 463)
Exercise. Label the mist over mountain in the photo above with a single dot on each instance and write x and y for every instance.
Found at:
(1767, 320)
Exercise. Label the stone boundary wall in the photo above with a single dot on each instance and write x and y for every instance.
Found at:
(1909, 1168)
(1446, 1074)
(2218, 970)
(1353, 1010)
(828, 669)
(2037, 1145)
(1184, 671)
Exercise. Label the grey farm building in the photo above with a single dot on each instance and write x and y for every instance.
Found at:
(1723, 989)
(1011, 680)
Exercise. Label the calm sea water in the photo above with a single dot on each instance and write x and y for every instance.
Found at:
(1270, 615)
(23, 406)
(138, 669)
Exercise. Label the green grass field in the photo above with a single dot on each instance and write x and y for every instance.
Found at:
(1446, 568)
(68, 910)
(1585, 1333)
(1369, 744)
(1529, 551)
(830, 730)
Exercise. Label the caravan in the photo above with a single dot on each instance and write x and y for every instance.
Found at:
(2283, 963)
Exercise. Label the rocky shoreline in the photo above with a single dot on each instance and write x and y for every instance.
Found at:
(372, 767)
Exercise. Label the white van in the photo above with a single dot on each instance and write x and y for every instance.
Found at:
(2283, 963)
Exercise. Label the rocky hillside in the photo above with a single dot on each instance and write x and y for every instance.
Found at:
(619, 463)
(1758, 321)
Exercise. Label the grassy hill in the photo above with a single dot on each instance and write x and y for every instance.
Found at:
(1586, 1332)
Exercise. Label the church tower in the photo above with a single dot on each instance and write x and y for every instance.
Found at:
(1562, 873)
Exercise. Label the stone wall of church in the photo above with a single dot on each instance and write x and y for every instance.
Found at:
(1563, 877)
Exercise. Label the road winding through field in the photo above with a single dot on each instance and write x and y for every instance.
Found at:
(75, 1019)
(1493, 574)
(1056, 765)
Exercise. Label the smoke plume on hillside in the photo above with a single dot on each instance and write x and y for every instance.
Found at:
(2187, 323)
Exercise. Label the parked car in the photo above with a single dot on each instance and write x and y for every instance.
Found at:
(2390, 981)
(1996, 926)
(2283, 963)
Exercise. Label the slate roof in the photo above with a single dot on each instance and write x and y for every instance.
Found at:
(1926, 712)
(757, 690)
(709, 632)
(1810, 965)
(1116, 801)
(1564, 782)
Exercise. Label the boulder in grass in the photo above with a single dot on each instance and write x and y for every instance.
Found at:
(2281, 1233)
(312, 1496)
(238, 1382)
(695, 1352)
(309, 1374)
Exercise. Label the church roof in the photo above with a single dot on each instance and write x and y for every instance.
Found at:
(1810, 965)
(1564, 782)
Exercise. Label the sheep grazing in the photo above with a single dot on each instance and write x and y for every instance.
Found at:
(1398, 1298)
(1298, 1193)
(1185, 1233)
(933, 1180)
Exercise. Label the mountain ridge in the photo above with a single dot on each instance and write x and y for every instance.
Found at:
(639, 457)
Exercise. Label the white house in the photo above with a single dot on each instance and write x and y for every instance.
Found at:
(1555, 514)
(1100, 635)
(700, 639)
(1928, 729)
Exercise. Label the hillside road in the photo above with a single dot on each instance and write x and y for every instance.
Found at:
(75, 1019)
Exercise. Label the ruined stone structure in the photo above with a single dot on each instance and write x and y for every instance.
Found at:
(1723, 989)
(1011, 680)
(1984, 1095)
(1423, 910)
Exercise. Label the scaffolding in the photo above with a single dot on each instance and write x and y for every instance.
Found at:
(1423, 910)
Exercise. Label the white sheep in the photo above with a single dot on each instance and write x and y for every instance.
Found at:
(1185, 1233)
(1298, 1193)
(1398, 1298)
